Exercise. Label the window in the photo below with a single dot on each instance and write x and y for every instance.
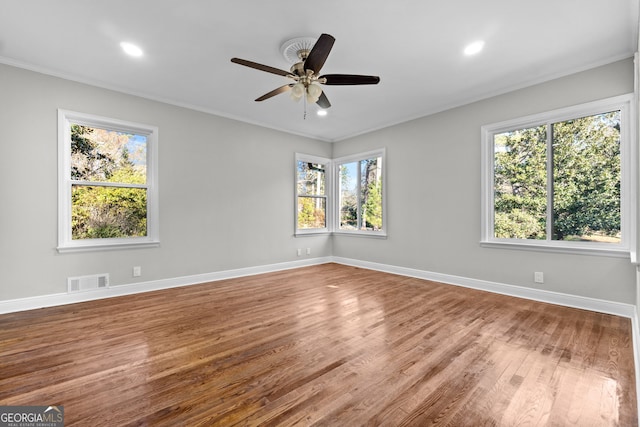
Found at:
(311, 194)
(560, 180)
(360, 193)
(107, 183)
(341, 196)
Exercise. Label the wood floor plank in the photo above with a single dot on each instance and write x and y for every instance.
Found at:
(324, 345)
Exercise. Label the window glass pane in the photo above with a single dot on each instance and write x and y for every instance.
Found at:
(371, 194)
(520, 183)
(349, 196)
(108, 212)
(311, 178)
(361, 195)
(312, 212)
(107, 156)
(586, 179)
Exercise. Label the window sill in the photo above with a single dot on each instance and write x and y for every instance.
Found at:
(575, 250)
(312, 232)
(372, 235)
(325, 232)
(93, 247)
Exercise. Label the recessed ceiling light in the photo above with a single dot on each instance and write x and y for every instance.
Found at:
(131, 49)
(322, 113)
(473, 48)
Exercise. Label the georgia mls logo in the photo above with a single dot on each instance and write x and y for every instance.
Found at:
(31, 416)
(55, 409)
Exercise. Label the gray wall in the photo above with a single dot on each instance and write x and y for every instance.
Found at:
(226, 189)
(433, 194)
(212, 168)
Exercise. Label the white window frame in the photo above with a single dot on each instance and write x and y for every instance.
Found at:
(336, 193)
(625, 104)
(327, 194)
(332, 190)
(65, 241)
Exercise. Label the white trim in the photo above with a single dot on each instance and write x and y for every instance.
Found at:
(87, 245)
(328, 208)
(585, 303)
(542, 246)
(31, 303)
(357, 157)
(65, 240)
(628, 135)
(332, 194)
(366, 234)
(567, 300)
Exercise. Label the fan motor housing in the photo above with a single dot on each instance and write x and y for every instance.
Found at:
(298, 69)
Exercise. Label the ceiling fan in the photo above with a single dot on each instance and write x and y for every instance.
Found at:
(305, 73)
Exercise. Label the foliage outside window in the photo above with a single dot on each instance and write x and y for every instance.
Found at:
(107, 183)
(345, 195)
(311, 194)
(560, 179)
(360, 194)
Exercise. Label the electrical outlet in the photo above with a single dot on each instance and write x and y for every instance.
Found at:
(308, 251)
(299, 251)
(538, 277)
(137, 271)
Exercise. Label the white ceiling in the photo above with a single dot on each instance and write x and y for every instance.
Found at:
(415, 46)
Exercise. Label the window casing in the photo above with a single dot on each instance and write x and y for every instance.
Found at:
(341, 196)
(107, 183)
(359, 194)
(312, 202)
(561, 180)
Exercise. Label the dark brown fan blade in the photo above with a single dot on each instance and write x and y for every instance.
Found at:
(319, 53)
(350, 79)
(323, 101)
(275, 92)
(260, 67)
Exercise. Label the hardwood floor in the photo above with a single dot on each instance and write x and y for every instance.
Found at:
(323, 345)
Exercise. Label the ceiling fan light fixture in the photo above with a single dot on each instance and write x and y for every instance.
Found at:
(313, 93)
(297, 91)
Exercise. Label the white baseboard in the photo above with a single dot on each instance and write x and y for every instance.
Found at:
(22, 304)
(610, 307)
(567, 300)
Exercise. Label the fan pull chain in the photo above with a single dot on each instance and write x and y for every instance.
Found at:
(305, 108)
